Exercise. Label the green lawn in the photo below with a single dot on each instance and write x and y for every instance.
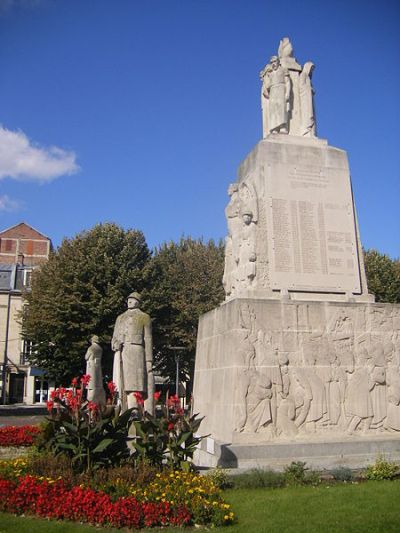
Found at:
(372, 506)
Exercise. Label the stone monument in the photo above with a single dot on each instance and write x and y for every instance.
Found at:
(133, 358)
(298, 362)
(93, 359)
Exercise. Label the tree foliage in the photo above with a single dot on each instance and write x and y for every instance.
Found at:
(185, 282)
(79, 292)
(383, 276)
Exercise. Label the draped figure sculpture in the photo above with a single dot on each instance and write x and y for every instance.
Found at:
(287, 94)
(93, 358)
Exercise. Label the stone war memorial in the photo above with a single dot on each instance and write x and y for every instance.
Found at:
(298, 363)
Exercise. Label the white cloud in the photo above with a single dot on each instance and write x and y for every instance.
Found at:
(22, 159)
(9, 205)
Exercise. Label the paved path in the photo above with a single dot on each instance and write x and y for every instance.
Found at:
(20, 415)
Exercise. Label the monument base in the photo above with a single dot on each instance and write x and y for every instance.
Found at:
(283, 380)
(324, 455)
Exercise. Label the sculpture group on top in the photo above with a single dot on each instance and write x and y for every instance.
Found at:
(287, 94)
(334, 381)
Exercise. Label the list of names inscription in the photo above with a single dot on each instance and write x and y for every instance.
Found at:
(312, 237)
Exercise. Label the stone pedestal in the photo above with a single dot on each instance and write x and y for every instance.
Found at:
(298, 353)
(303, 234)
(271, 372)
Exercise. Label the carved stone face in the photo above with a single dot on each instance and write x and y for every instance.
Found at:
(247, 218)
(132, 303)
(232, 189)
(275, 64)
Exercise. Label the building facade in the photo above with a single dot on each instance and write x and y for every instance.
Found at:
(22, 249)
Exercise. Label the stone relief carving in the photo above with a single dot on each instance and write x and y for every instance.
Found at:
(306, 92)
(333, 382)
(240, 244)
(287, 94)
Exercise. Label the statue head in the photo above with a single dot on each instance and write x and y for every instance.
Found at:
(274, 62)
(95, 339)
(233, 187)
(247, 216)
(133, 300)
(308, 68)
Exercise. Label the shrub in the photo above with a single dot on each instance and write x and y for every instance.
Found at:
(168, 437)
(295, 473)
(342, 473)
(91, 437)
(18, 435)
(220, 478)
(258, 478)
(382, 469)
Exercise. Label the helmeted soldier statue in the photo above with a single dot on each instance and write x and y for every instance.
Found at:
(133, 358)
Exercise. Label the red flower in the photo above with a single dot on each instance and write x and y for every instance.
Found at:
(93, 407)
(157, 395)
(74, 382)
(18, 435)
(85, 380)
(49, 405)
(138, 397)
(174, 401)
(170, 426)
(111, 386)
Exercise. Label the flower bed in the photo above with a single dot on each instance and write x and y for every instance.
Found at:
(18, 435)
(52, 499)
(167, 498)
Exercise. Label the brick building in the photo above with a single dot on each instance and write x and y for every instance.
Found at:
(22, 249)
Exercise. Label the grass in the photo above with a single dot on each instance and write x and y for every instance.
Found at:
(366, 507)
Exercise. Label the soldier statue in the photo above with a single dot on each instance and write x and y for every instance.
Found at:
(133, 358)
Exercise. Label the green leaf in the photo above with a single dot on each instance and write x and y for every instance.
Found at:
(103, 445)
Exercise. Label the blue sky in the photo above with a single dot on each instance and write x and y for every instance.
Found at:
(139, 112)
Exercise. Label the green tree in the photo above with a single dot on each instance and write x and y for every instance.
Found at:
(383, 276)
(185, 282)
(79, 292)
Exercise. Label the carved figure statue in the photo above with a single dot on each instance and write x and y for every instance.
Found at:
(258, 401)
(358, 399)
(133, 359)
(232, 213)
(393, 393)
(378, 393)
(276, 89)
(246, 253)
(93, 358)
(287, 94)
(307, 100)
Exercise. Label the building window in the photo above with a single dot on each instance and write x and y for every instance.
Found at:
(26, 351)
(8, 245)
(27, 278)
